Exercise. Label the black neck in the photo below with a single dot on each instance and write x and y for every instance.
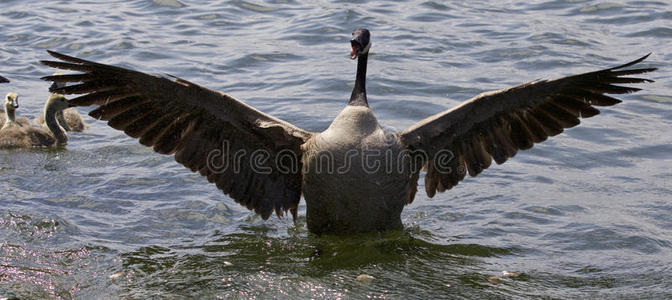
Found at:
(358, 97)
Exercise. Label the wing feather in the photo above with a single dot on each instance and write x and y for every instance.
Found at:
(207, 131)
(495, 125)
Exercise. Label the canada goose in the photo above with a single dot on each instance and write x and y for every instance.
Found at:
(12, 135)
(266, 164)
(2, 111)
(69, 119)
(11, 104)
(3, 115)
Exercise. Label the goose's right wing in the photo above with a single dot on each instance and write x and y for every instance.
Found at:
(251, 156)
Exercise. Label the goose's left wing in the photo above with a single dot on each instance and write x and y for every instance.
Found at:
(495, 125)
(251, 156)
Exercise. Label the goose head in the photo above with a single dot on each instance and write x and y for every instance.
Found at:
(360, 42)
(11, 101)
(57, 84)
(56, 103)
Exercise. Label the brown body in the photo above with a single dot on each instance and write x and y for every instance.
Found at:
(356, 177)
(14, 136)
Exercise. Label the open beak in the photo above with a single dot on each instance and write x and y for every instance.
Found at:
(359, 44)
(355, 48)
(70, 104)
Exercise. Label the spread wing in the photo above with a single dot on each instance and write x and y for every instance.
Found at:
(251, 156)
(3, 79)
(496, 124)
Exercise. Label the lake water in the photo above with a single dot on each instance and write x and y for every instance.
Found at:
(585, 214)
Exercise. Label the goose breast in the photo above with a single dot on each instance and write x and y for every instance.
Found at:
(353, 177)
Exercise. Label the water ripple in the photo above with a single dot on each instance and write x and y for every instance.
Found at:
(583, 214)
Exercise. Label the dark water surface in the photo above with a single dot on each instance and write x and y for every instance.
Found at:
(585, 214)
